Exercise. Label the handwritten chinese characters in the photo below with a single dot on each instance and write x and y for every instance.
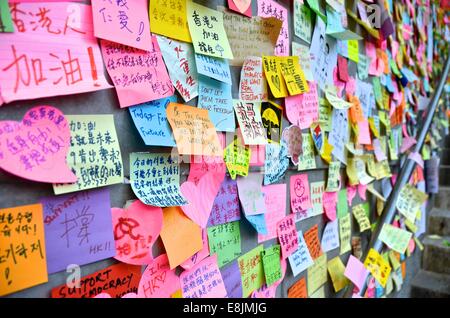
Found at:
(287, 235)
(94, 153)
(22, 248)
(50, 69)
(155, 179)
(250, 122)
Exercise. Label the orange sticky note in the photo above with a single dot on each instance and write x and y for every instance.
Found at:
(22, 248)
(355, 111)
(298, 290)
(194, 132)
(181, 237)
(312, 242)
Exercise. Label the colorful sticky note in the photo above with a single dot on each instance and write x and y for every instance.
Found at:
(116, 281)
(124, 23)
(302, 21)
(193, 130)
(293, 75)
(170, 20)
(49, 68)
(276, 162)
(252, 271)
(237, 157)
(396, 238)
(181, 237)
(94, 154)
(339, 134)
(298, 289)
(300, 194)
(272, 72)
(355, 271)
(200, 255)
(226, 204)
(250, 122)
(304, 58)
(136, 228)
(78, 229)
(334, 177)
(275, 201)
(252, 85)
(359, 212)
(213, 67)
(225, 241)
(155, 178)
(312, 241)
(204, 274)
(307, 160)
(377, 266)
(179, 59)
(207, 31)
(242, 6)
(23, 249)
(317, 189)
(271, 263)
(250, 194)
(287, 235)
(158, 280)
(232, 279)
(151, 122)
(317, 274)
(6, 23)
(270, 8)
(216, 97)
(303, 109)
(336, 269)
(330, 236)
(409, 201)
(272, 119)
(36, 148)
(301, 258)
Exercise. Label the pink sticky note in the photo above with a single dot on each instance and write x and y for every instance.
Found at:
(364, 133)
(102, 295)
(303, 109)
(57, 55)
(417, 157)
(36, 148)
(379, 154)
(337, 82)
(139, 76)
(329, 201)
(362, 191)
(158, 280)
(350, 86)
(204, 274)
(275, 200)
(201, 197)
(200, 255)
(135, 231)
(342, 68)
(287, 235)
(355, 271)
(351, 192)
(407, 143)
(242, 6)
(258, 155)
(300, 194)
(270, 8)
(123, 22)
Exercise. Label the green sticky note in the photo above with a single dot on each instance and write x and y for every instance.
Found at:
(342, 204)
(271, 263)
(6, 23)
(314, 5)
(252, 271)
(225, 241)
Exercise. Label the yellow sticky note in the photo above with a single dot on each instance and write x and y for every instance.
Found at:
(94, 153)
(272, 71)
(207, 31)
(169, 18)
(252, 271)
(353, 50)
(293, 75)
(336, 269)
(237, 158)
(317, 274)
(335, 101)
(22, 248)
(360, 215)
(409, 201)
(345, 232)
(307, 160)
(326, 150)
(395, 238)
(378, 267)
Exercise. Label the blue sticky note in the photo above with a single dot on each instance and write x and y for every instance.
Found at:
(231, 276)
(213, 67)
(258, 221)
(151, 121)
(216, 97)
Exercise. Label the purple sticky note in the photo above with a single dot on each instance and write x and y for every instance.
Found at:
(78, 229)
(226, 205)
(232, 279)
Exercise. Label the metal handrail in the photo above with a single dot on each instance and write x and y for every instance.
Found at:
(405, 174)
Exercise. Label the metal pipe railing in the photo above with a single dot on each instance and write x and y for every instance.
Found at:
(405, 174)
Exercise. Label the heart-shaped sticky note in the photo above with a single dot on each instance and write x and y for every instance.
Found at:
(242, 5)
(36, 148)
(201, 197)
(135, 231)
(158, 280)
